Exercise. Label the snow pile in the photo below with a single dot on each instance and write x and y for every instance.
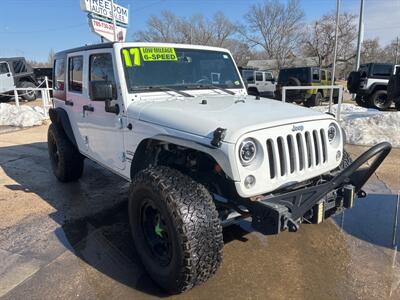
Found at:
(23, 116)
(367, 126)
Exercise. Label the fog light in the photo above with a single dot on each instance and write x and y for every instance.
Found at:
(249, 181)
(338, 155)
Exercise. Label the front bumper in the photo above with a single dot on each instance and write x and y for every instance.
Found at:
(272, 214)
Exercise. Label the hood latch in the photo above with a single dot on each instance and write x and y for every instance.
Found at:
(218, 136)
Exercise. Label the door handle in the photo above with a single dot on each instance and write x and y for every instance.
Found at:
(87, 108)
(70, 103)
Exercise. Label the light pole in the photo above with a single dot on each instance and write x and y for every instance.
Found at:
(334, 53)
(360, 34)
(114, 22)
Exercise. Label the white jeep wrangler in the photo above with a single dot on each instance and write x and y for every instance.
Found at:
(259, 82)
(176, 121)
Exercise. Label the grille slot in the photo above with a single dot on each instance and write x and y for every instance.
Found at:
(271, 158)
(300, 149)
(323, 142)
(290, 154)
(282, 159)
(309, 149)
(316, 148)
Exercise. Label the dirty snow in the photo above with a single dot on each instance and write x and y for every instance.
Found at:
(24, 116)
(367, 126)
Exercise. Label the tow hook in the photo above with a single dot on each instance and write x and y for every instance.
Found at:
(292, 225)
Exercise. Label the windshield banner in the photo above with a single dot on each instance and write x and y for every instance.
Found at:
(158, 54)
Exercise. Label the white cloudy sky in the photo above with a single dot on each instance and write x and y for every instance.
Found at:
(382, 19)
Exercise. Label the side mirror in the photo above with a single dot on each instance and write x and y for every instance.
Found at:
(104, 91)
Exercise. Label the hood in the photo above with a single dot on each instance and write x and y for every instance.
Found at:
(238, 115)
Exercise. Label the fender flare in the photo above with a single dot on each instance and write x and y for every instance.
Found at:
(59, 117)
(374, 86)
(214, 152)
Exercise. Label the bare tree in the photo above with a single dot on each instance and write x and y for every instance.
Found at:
(320, 39)
(371, 51)
(217, 31)
(161, 29)
(274, 27)
(391, 53)
(194, 30)
(50, 58)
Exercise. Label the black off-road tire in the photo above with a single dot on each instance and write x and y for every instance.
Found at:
(353, 82)
(397, 104)
(314, 100)
(28, 94)
(66, 161)
(360, 100)
(379, 100)
(293, 81)
(192, 228)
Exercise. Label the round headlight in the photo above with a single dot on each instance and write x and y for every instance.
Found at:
(247, 151)
(332, 132)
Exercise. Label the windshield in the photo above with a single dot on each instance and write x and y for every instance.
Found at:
(164, 67)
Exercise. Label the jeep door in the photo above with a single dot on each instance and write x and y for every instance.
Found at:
(270, 84)
(104, 129)
(260, 82)
(70, 93)
(6, 78)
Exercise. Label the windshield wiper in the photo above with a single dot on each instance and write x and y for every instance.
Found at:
(162, 88)
(215, 87)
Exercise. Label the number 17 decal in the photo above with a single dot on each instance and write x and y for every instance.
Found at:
(129, 54)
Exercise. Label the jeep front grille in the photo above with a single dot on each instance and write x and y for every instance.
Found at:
(295, 153)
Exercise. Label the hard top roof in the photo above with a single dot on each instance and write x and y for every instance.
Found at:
(83, 48)
(11, 58)
(110, 45)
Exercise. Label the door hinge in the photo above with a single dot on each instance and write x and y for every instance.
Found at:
(120, 123)
(86, 138)
(123, 157)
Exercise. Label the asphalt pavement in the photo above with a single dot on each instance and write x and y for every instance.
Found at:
(63, 241)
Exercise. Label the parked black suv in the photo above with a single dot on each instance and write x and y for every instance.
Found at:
(305, 76)
(370, 83)
(393, 89)
(23, 75)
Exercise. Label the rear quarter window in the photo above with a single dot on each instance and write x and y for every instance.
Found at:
(4, 68)
(59, 79)
(75, 74)
(382, 70)
(19, 66)
(59, 74)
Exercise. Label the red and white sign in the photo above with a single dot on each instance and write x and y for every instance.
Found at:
(106, 30)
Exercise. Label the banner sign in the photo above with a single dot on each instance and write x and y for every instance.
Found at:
(158, 54)
(106, 30)
(104, 8)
